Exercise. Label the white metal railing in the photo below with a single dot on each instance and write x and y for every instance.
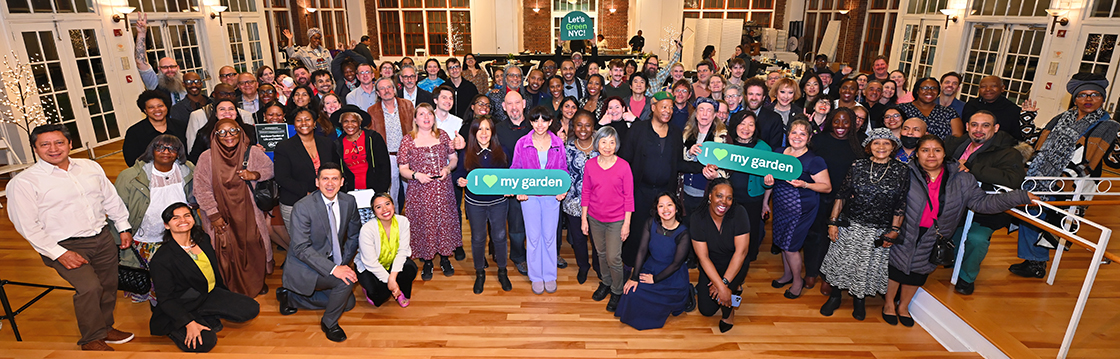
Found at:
(1084, 189)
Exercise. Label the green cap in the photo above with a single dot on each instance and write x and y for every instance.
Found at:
(663, 95)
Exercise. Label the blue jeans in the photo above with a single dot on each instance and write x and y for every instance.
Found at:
(516, 222)
(1028, 236)
(479, 216)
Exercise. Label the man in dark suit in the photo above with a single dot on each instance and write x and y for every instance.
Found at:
(768, 124)
(409, 91)
(362, 48)
(324, 232)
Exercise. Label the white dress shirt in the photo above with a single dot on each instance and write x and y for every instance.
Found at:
(49, 205)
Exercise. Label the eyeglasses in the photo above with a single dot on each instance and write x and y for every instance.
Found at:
(267, 92)
(449, 68)
(231, 74)
(1093, 95)
(165, 148)
(168, 67)
(365, 72)
(894, 116)
(228, 133)
(192, 82)
(408, 76)
(681, 91)
(248, 82)
(480, 103)
(928, 88)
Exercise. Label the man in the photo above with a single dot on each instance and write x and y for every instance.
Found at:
(508, 132)
(950, 84)
(991, 157)
(879, 68)
(194, 100)
(651, 67)
(533, 93)
(445, 120)
(363, 48)
(498, 94)
(768, 124)
(723, 113)
(465, 91)
(228, 75)
(637, 42)
(302, 76)
(324, 83)
(772, 78)
(826, 84)
(871, 96)
(549, 68)
(582, 66)
(365, 95)
(573, 85)
(392, 118)
(247, 83)
(409, 91)
(168, 80)
(703, 74)
(682, 107)
(199, 117)
(992, 99)
(820, 63)
(59, 205)
(344, 69)
(324, 232)
(912, 130)
(618, 84)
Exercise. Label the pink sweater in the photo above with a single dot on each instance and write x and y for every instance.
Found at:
(607, 193)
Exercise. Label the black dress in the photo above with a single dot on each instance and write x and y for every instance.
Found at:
(139, 135)
(721, 249)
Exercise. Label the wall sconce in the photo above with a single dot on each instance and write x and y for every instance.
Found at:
(218, 10)
(949, 16)
(310, 10)
(844, 12)
(536, 10)
(123, 15)
(1056, 13)
(612, 10)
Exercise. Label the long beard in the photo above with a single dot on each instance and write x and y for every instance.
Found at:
(172, 84)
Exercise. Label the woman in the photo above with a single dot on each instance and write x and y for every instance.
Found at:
(476, 74)
(364, 154)
(267, 95)
(298, 159)
(433, 75)
(616, 115)
(702, 126)
(607, 202)
(733, 95)
(892, 120)
(889, 96)
(902, 95)
(720, 236)
(939, 195)
(540, 149)
(839, 146)
(579, 148)
(556, 93)
(266, 76)
(284, 86)
(848, 94)
(160, 177)
(384, 245)
(594, 101)
(709, 54)
(795, 205)
(660, 286)
(676, 73)
(236, 226)
(198, 298)
(302, 97)
(480, 106)
(861, 80)
(751, 190)
(716, 85)
(221, 110)
(387, 69)
(810, 90)
(426, 160)
(568, 109)
(941, 121)
(864, 222)
(786, 93)
(631, 68)
(484, 151)
(314, 56)
(323, 122)
(156, 106)
(638, 103)
(819, 117)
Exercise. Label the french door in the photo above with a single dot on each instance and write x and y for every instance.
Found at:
(919, 48)
(1099, 56)
(67, 62)
(1010, 51)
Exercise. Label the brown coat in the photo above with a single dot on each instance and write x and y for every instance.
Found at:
(377, 115)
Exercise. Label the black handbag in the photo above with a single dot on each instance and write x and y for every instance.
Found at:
(944, 252)
(134, 280)
(265, 194)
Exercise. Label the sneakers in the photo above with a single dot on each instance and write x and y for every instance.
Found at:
(426, 274)
(97, 345)
(964, 287)
(561, 262)
(1029, 269)
(550, 286)
(522, 268)
(445, 266)
(538, 288)
(118, 337)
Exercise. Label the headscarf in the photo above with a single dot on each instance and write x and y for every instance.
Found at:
(235, 204)
(313, 31)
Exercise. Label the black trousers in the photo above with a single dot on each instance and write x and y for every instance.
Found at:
(754, 215)
(219, 304)
(817, 241)
(704, 301)
(379, 292)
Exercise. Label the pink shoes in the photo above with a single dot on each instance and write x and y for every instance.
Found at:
(402, 300)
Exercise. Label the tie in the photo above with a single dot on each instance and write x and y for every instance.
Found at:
(336, 253)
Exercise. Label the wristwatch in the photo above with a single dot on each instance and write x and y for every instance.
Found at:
(725, 281)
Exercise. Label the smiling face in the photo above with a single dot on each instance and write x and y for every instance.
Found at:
(331, 104)
(677, 72)
(617, 73)
(53, 148)
(556, 87)
(899, 79)
(880, 68)
(723, 113)
(229, 135)
(425, 119)
(704, 73)
(715, 84)
(638, 85)
(785, 95)
(386, 90)
(536, 80)
(485, 131)
(848, 91)
(583, 127)
(822, 108)
(861, 80)
(607, 146)
(991, 88)
(193, 83)
(812, 87)
(274, 114)
(733, 97)
(408, 78)
(888, 89)
(841, 124)
(155, 109)
(349, 73)
(705, 114)
(892, 119)
(181, 221)
(329, 183)
(351, 123)
(568, 70)
(719, 200)
(481, 106)
(594, 85)
(226, 111)
(444, 100)
(315, 41)
(228, 75)
(982, 127)
(267, 93)
(615, 109)
(304, 123)
(663, 110)
(949, 86)
(432, 67)
(386, 70)
(248, 84)
(873, 92)
(745, 129)
(798, 137)
(666, 209)
(881, 148)
(324, 84)
(928, 91)
(540, 125)
(383, 208)
(302, 76)
(267, 76)
(755, 97)
(454, 70)
(301, 96)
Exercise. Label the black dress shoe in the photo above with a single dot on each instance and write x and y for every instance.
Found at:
(859, 312)
(890, 319)
(426, 275)
(612, 304)
(561, 262)
(790, 294)
(601, 292)
(479, 281)
(581, 277)
(830, 306)
(264, 289)
(906, 321)
(775, 250)
(445, 266)
(691, 306)
(460, 254)
(724, 326)
(335, 333)
(1029, 269)
(503, 279)
(776, 284)
(285, 307)
(964, 287)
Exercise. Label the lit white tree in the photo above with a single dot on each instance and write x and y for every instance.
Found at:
(20, 103)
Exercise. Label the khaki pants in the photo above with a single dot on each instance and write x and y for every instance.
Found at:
(95, 283)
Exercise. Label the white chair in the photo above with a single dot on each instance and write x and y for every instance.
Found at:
(15, 164)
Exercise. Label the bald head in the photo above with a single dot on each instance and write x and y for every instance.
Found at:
(991, 88)
(168, 67)
(228, 75)
(224, 91)
(193, 83)
(514, 105)
(913, 127)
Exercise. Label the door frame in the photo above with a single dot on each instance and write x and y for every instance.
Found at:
(1113, 73)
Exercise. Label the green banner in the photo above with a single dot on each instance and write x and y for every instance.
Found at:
(576, 25)
(749, 160)
(494, 181)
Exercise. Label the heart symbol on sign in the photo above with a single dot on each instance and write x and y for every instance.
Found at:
(490, 180)
(719, 153)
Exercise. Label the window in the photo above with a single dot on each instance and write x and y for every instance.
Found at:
(164, 5)
(919, 48)
(758, 11)
(1011, 52)
(240, 5)
(174, 39)
(95, 86)
(816, 21)
(882, 15)
(330, 17)
(236, 45)
(1010, 8)
(1102, 8)
(254, 36)
(929, 6)
(277, 18)
(54, 92)
(438, 27)
(1097, 57)
(50, 6)
(245, 46)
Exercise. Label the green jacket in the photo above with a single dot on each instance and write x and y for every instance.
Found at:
(132, 185)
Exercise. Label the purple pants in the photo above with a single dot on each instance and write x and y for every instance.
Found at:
(541, 214)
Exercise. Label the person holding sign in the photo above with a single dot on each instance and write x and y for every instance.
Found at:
(796, 203)
(426, 160)
(607, 205)
(751, 190)
(720, 236)
(702, 126)
(484, 151)
(540, 149)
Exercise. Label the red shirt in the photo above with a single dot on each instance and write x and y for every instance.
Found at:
(354, 154)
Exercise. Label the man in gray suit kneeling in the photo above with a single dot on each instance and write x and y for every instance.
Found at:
(324, 231)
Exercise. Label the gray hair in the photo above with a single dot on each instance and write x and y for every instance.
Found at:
(732, 86)
(506, 74)
(407, 66)
(383, 78)
(604, 132)
(169, 140)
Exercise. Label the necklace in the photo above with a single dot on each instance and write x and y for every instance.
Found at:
(582, 149)
(871, 172)
(188, 250)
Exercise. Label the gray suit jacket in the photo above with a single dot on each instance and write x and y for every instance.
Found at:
(311, 245)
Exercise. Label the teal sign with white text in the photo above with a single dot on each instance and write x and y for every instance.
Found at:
(495, 181)
(576, 25)
(749, 160)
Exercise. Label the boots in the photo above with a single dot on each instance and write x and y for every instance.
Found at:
(503, 279)
(833, 302)
(858, 311)
(479, 280)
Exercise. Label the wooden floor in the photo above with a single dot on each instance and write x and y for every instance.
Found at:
(446, 320)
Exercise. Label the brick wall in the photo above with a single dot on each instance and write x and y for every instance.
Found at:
(372, 30)
(851, 33)
(537, 26)
(778, 20)
(614, 26)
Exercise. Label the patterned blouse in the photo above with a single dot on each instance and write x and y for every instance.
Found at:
(875, 193)
(576, 160)
(480, 80)
(938, 123)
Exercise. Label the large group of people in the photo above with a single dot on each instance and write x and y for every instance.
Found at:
(887, 170)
